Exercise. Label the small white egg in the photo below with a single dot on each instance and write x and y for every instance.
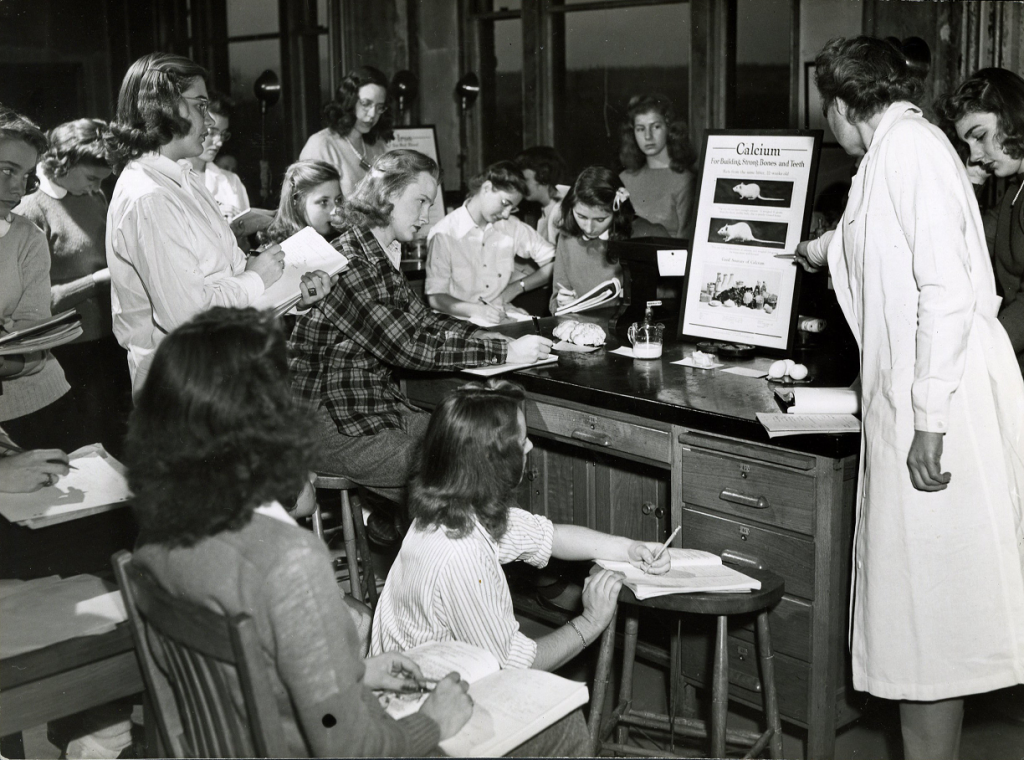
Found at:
(798, 372)
(777, 370)
(789, 366)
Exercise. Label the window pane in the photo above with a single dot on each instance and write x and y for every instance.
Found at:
(247, 61)
(503, 137)
(610, 56)
(252, 17)
(762, 64)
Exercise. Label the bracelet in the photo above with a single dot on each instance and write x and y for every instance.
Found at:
(579, 633)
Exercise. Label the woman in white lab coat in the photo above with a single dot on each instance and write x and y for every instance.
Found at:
(938, 593)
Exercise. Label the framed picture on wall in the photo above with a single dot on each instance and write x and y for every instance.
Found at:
(423, 139)
(754, 206)
(813, 117)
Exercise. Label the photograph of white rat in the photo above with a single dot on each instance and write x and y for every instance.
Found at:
(740, 191)
(736, 232)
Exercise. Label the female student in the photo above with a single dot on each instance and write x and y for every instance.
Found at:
(310, 197)
(447, 582)
(71, 210)
(170, 251)
(359, 127)
(31, 383)
(209, 477)
(658, 159)
(225, 186)
(544, 170)
(472, 251)
(939, 387)
(988, 113)
(596, 209)
(344, 351)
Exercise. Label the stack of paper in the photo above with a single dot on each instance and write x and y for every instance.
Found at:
(827, 411)
(597, 296)
(305, 251)
(44, 335)
(97, 483)
(498, 369)
(692, 572)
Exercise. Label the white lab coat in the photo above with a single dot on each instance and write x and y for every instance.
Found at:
(938, 591)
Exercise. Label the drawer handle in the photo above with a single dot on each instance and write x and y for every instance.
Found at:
(744, 681)
(591, 436)
(758, 502)
(739, 558)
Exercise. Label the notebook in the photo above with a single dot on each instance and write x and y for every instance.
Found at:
(692, 572)
(596, 297)
(304, 252)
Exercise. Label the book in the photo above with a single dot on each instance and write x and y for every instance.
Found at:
(43, 335)
(251, 220)
(597, 296)
(807, 424)
(692, 572)
(497, 369)
(96, 484)
(304, 251)
(509, 706)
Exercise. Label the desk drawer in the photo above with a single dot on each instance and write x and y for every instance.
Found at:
(791, 676)
(599, 431)
(749, 489)
(790, 557)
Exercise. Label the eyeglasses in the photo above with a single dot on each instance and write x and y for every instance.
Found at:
(371, 107)
(202, 104)
(224, 135)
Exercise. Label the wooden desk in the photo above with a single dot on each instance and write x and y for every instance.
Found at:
(66, 678)
(637, 447)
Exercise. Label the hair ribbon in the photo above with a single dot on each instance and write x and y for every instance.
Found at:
(621, 196)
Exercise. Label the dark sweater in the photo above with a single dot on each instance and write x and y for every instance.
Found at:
(1008, 255)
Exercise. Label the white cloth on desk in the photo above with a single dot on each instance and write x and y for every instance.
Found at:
(171, 256)
(938, 594)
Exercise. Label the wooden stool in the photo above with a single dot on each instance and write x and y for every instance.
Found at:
(353, 531)
(722, 606)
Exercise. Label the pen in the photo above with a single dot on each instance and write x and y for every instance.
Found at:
(9, 446)
(785, 255)
(536, 323)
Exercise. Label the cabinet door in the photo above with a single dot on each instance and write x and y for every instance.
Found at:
(629, 499)
(548, 486)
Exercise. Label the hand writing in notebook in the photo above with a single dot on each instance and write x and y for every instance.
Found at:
(650, 557)
(528, 349)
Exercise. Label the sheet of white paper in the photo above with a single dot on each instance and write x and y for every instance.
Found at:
(623, 351)
(94, 483)
(498, 369)
(304, 252)
(564, 345)
(672, 263)
(746, 371)
(38, 615)
(688, 362)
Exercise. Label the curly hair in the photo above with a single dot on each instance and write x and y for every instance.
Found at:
(14, 126)
(866, 73)
(471, 460)
(503, 175)
(546, 163)
(147, 105)
(340, 113)
(995, 91)
(83, 141)
(299, 180)
(216, 431)
(681, 153)
(597, 186)
(371, 203)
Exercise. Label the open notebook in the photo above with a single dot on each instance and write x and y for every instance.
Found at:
(43, 335)
(509, 706)
(305, 251)
(594, 298)
(692, 572)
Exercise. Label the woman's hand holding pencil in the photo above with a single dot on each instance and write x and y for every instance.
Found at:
(651, 557)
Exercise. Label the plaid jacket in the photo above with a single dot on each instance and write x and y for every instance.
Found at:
(344, 349)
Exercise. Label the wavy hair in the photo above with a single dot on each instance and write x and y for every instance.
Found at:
(300, 179)
(14, 126)
(216, 431)
(503, 175)
(147, 105)
(471, 460)
(866, 73)
(995, 91)
(597, 186)
(83, 141)
(546, 163)
(371, 202)
(340, 113)
(681, 153)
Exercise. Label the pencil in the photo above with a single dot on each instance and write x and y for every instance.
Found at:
(664, 546)
(12, 447)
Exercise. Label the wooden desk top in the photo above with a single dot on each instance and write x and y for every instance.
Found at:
(704, 399)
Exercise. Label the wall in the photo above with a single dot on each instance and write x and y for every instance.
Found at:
(437, 39)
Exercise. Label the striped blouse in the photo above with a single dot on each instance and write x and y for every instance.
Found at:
(445, 589)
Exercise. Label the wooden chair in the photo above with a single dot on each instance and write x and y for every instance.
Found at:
(190, 657)
(363, 584)
(722, 606)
